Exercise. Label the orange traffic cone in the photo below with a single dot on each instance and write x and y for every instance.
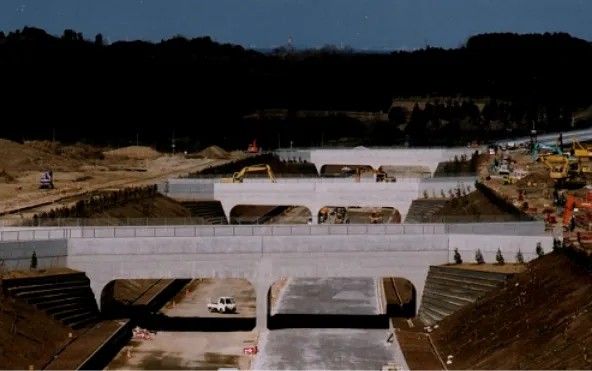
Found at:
(186, 292)
(129, 353)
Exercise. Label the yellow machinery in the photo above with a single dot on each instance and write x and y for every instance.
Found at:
(579, 150)
(565, 169)
(381, 177)
(239, 176)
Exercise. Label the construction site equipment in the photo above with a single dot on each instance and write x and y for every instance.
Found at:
(253, 147)
(579, 150)
(375, 218)
(572, 206)
(46, 181)
(341, 216)
(381, 177)
(225, 304)
(323, 215)
(565, 169)
(239, 176)
(539, 146)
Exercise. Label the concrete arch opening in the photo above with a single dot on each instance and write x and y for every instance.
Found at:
(187, 305)
(359, 215)
(341, 171)
(319, 303)
(400, 297)
(270, 214)
(398, 171)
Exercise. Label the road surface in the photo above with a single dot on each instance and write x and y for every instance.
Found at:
(326, 349)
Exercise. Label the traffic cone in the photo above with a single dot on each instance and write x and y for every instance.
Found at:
(129, 353)
(186, 292)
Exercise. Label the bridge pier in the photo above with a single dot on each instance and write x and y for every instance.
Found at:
(262, 291)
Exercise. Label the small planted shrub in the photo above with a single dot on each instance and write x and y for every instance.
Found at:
(479, 257)
(34, 261)
(442, 193)
(425, 194)
(539, 250)
(519, 257)
(499, 257)
(557, 244)
(457, 257)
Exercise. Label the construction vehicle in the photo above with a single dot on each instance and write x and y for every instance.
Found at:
(341, 216)
(375, 218)
(323, 215)
(253, 147)
(571, 206)
(539, 146)
(579, 150)
(46, 181)
(381, 177)
(239, 176)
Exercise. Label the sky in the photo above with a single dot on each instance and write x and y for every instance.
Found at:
(361, 24)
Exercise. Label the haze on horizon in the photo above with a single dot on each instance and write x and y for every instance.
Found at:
(361, 24)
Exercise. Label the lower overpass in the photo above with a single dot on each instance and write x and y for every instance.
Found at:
(264, 254)
(313, 193)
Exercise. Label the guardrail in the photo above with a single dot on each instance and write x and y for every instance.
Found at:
(387, 218)
(269, 230)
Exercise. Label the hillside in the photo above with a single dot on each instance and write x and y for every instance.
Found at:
(541, 320)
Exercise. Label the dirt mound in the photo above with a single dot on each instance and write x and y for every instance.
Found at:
(539, 320)
(19, 157)
(134, 153)
(534, 179)
(214, 152)
(5, 177)
(475, 206)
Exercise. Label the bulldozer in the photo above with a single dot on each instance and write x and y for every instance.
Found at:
(238, 177)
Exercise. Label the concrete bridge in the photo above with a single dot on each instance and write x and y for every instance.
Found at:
(313, 193)
(375, 157)
(264, 254)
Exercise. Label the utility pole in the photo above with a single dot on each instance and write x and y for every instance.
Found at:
(137, 139)
(53, 135)
(173, 143)
(322, 138)
(279, 146)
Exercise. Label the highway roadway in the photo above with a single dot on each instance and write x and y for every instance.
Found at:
(326, 349)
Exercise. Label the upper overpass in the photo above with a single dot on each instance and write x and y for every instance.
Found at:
(375, 157)
(583, 135)
(264, 254)
(313, 193)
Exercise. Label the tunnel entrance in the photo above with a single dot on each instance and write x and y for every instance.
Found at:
(358, 215)
(400, 297)
(269, 214)
(184, 305)
(321, 303)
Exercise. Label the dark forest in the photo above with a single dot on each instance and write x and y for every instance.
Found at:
(201, 90)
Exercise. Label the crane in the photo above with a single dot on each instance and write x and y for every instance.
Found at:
(240, 175)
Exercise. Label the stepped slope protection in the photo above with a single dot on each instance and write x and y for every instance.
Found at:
(540, 319)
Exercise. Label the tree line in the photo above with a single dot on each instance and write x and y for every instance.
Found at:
(200, 90)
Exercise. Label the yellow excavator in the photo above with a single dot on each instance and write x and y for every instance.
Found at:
(239, 176)
(381, 177)
(564, 169)
(580, 151)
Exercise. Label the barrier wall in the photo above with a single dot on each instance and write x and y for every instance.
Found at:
(17, 254)
(435, 186)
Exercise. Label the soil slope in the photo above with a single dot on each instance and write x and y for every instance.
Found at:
(157, 206)
(475, 206)
(542, 319)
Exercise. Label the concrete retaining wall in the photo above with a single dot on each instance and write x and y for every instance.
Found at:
(467, 246)
(17, 254)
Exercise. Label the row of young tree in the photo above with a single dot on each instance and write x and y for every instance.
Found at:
(200, 90)
(93, 205)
